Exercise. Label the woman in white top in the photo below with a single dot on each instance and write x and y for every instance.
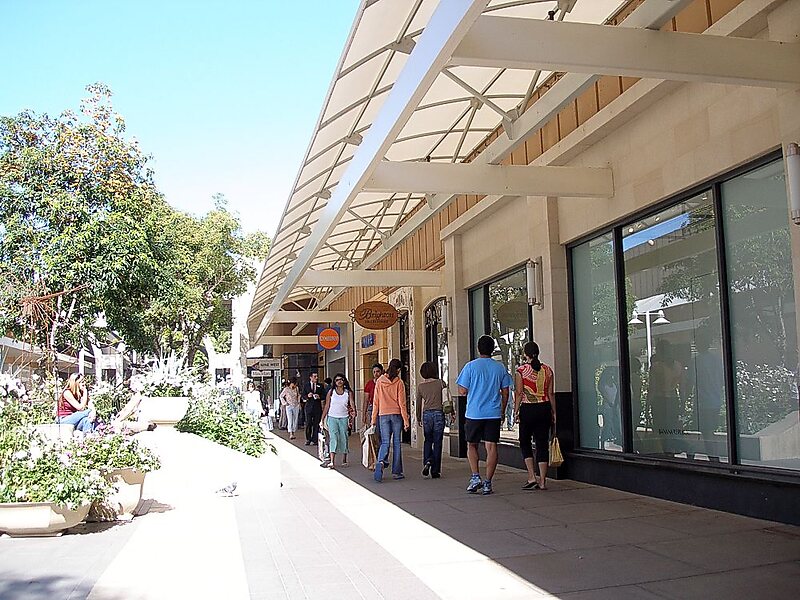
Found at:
(336, 415)
(252, 401)
(290, 398)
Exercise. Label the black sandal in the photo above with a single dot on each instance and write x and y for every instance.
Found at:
(530, 485)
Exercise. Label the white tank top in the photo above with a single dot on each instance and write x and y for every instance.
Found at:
(338, 406)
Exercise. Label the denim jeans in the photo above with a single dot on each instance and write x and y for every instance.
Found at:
(292, 412)
(391, 427)
(433, 428)
(80, 419)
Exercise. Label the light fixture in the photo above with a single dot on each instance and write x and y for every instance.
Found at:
(444, 319)
(651, 242)
(793, 180)
(635, 320)
(661, 320)
(533, 280)
(630, 229)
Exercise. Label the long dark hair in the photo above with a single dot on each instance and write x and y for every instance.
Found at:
(346, 383)
(393, 370)
(531, 350)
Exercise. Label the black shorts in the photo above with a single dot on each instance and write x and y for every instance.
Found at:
(482, 430)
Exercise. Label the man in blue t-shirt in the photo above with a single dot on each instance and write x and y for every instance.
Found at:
(485, 383)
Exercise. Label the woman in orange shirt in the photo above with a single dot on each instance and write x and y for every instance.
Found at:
(390, 413)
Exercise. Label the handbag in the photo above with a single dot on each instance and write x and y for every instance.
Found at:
(447, 402)
(556, 458)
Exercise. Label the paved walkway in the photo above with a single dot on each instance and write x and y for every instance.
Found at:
(332, 535)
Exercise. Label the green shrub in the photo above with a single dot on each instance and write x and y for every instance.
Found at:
(216, 421)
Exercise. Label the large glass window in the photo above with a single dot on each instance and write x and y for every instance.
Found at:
(763, 319)
(676, 367)
(597, 348)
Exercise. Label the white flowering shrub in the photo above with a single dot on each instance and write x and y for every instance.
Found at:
(51, 473)
(166, 377)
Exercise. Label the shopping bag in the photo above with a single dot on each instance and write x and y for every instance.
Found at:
(556, 458)
(369, 448)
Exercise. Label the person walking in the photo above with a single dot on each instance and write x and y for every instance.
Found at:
(485, 382)
(313, 394)
(339, 406)
(369, 394)
(535, 411)
(431, 414)
(390, 413)
(290, 400)
(252, 401)
(73, 405)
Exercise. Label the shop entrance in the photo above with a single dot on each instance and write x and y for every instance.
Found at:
(405, 358)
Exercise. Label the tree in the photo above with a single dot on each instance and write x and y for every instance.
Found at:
(76, 205)
(213, 261)
(84, 232)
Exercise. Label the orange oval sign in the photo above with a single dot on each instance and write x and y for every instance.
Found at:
(376, 315)
(328, 338)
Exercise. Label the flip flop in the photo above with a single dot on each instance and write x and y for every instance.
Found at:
(530, 485)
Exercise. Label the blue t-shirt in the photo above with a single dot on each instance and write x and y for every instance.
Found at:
(483, 378)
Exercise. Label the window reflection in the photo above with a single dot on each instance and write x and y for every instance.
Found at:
(597, 350)
(674, 333)
(508, 317)
(763, 320)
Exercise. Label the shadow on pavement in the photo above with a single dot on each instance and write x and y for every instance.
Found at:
(16, 586)
(578, 538)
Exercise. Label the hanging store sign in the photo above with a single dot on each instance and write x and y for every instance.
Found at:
(376, 315)
(328, 338)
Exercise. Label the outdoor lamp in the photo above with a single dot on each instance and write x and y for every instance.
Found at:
(661, 318)
(533, 276)
(635, 320)
(793, 180)
(445, 317)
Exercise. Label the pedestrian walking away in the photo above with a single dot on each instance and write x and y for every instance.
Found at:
(290, 400)
(313, 394)
(535, 410)
(485, 383)
(390, 413)
(430, 413)
(339, 407)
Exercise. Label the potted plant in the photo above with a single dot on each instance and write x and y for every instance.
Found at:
(44, 488)
(165, 388)
(124, 462)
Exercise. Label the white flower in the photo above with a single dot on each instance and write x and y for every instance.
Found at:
(36, 452)
(21, 493)
(20, 455)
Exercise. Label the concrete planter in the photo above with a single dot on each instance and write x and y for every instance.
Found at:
(163, 411)
(120, 505)
(37, 519)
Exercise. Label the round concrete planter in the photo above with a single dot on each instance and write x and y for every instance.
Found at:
(30, 519)
(163, 411)
(122, 503)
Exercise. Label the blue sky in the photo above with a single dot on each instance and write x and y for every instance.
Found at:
(224, 95)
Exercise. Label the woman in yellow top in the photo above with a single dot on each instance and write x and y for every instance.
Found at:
(535, 411)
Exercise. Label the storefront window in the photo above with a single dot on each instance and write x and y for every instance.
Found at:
(477, 304)
(676, 368)
(597, 348)
(506, 304)
(763, 319)
(436, 338)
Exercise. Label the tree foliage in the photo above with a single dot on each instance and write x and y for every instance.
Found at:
(84, 229)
